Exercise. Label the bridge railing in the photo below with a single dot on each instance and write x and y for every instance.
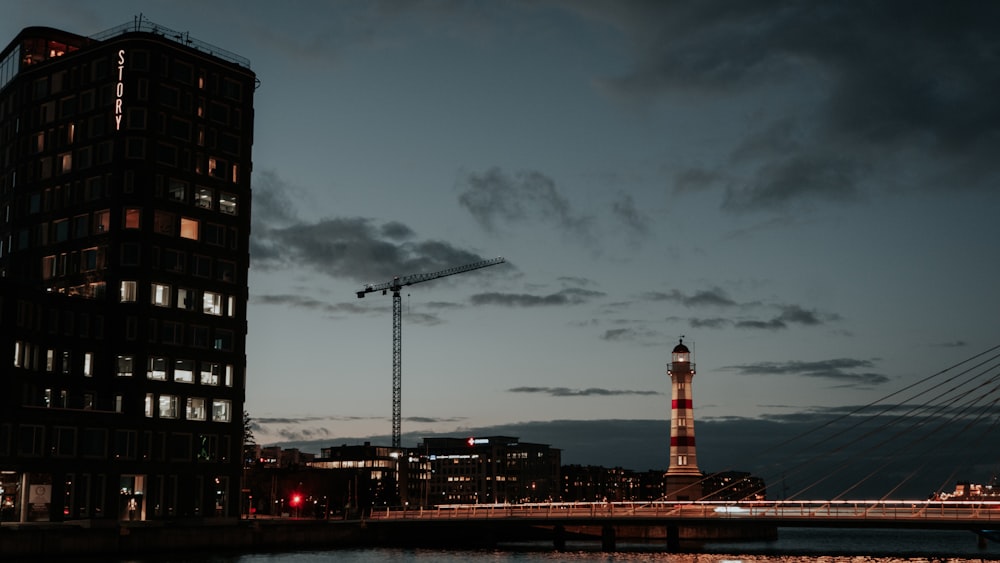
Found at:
(881, 510)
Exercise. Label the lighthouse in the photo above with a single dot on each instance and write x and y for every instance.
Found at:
(683, 476)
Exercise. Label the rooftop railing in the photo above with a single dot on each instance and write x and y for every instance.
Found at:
(144, 25)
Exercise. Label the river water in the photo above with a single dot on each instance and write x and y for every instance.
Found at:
(793, 546)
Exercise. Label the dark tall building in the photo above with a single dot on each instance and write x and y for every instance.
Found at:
(125, 164)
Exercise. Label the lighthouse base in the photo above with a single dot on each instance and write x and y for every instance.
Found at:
(682, 487)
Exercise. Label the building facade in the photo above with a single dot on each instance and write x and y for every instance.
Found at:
(494, 469)
(125, 163)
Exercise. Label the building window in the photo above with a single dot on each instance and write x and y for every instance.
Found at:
(102, 221)
(221, 410)
(223, 340)
(203, 198)
(177, 190)
(163, 223)
(189, 228)
(212, 303)
(132, 218)
(168, 406)
(186, 299)
(172, 333)
(128, 291)
(88, 364)
(160, 295)
(149, 405)
(210, 372)
(682, 460)
(125, 366)
(227, 203)
(195, 408)
(157, 368)
(184, 371)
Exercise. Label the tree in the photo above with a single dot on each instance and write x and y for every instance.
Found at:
(247, 429)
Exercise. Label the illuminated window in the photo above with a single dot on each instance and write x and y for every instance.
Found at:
(221, 410)
(212, 303)
(48, 267)
(128, 292)
(88, 364)
(132, 216)
(227, 203)
(203, 198)
(66, 162)
(160, 295)
(210, 372)
(682, 460)
(189, 228)
(157, 369)
(102, 221)
(186, 299)
(149, 405)
(125, 366)
(184, 371)
(168, 406)
(195, 408)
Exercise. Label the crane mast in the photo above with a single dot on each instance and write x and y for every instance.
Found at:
(395, 285)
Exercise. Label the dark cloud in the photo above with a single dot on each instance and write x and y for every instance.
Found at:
(895, 82)
(304, 302)
(589, 392)
(841, 370)
(496, 198)
(355, 248)
(570, 296)
(619, 334)
(799, 176)
(714, 297)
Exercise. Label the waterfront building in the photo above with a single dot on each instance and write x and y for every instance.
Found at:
(733, 485)
(593, 483)
(494, 469)
(683, 476)
(125, 163)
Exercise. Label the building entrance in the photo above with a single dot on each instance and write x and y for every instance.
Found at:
(131, 493)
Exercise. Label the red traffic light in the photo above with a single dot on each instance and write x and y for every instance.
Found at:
(296, 500)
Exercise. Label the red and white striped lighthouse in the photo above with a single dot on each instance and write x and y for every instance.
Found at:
(683, 475)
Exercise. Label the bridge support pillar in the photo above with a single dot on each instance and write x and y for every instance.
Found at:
(608, 541)
(673, 538)
(559, 538)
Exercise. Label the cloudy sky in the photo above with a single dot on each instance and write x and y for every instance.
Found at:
(806, 192)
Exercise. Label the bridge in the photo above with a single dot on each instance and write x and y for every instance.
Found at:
(919, 438)
(489, 524)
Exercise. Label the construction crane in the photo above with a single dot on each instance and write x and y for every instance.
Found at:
(394, 286)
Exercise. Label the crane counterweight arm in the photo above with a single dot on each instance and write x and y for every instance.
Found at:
(398, 283)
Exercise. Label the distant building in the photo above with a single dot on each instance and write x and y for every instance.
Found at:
(487, 470)
(125, 164)
(592, 483)
(733, 485)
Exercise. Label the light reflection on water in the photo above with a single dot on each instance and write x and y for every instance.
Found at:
(793, 546)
